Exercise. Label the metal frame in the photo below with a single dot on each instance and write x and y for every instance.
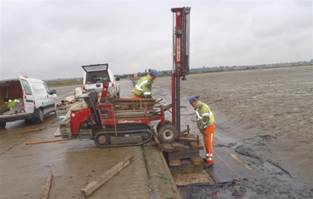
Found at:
(144, 119)
(180, 57)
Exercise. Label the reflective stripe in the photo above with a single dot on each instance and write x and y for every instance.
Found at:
(143, 82)
(137, 87)
(147, 93)
(198, 115)
(207, 114)
(210, 158)
(209, 155)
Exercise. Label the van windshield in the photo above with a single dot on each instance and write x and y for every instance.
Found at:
(97, 77)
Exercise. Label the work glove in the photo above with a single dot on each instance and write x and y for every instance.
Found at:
(203, 123)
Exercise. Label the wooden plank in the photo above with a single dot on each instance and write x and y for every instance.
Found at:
(193, 139)
(44, 141)
(94, 185)
(179, 146)
(197, 161)
(47, 186)
(183, 154)
(190, 174)
(196, 145)
(175, 163)
(166, 147)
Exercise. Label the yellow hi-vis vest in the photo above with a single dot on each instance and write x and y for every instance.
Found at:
(205, 116)
(143, 86)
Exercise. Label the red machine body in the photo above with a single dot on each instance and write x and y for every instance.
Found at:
(110, 118)
(78, 118)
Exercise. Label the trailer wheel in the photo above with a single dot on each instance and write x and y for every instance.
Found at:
(158, 127)
(3, 124)
(102, 139)
(167, 134)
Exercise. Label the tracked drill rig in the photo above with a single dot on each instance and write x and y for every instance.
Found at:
(112, 122)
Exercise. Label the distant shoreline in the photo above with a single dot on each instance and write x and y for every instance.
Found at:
(79, 81)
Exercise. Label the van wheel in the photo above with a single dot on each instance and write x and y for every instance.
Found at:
(28, 121)
(55, 110)
(54, 113)
(2, 124)
(40, 116)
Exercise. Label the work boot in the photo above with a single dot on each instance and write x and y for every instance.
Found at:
(208, 163)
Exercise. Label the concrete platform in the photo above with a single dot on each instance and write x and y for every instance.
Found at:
(74, 164)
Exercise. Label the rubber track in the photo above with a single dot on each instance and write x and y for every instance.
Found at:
(148, 131)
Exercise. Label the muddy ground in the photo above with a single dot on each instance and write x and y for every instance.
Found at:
(265, 121)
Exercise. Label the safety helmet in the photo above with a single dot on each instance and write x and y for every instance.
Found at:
(192, 99)
(154, 73)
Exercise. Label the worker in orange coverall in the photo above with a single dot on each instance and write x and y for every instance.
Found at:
(206, 125)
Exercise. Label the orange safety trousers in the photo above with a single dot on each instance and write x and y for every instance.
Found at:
(208, 134)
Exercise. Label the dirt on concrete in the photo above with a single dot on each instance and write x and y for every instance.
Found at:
(265, 121)
(75, 163)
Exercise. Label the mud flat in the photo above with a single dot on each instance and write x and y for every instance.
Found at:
(265, 123)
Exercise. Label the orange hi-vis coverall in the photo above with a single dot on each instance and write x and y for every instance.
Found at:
(206, 124)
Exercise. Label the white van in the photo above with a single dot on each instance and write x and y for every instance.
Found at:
(94, 76)
(25, 98)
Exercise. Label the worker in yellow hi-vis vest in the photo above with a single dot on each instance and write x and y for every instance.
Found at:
(206, 125)
(143, 87)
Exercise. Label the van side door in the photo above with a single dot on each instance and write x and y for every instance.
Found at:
(51, 96)
(28, 97)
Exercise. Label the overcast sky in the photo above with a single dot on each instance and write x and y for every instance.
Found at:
(53, 38)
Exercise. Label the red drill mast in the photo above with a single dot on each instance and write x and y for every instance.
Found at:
(181, 26)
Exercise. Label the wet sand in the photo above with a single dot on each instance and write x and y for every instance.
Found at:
(265, 118)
